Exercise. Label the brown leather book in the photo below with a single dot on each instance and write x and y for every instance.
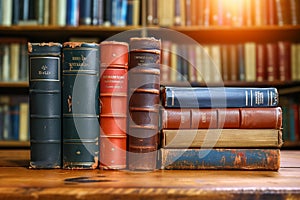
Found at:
(238, 118)
(113, 104)
(261, 59)
(143, 95)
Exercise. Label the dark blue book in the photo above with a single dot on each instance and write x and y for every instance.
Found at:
(80, 109)
(229, 159)
(14, 122)
(85, 12)
(45, 104)
(97, 12)
(129, 16)
(16, 12)
(218, 97)
(72, 13)
(108, 5)
(1, 119)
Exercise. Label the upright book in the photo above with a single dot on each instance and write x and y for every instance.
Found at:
(143, 95)
(113, 102)
(206, 97)
(80, 88)
(45, 104)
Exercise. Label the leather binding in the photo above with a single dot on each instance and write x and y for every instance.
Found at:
(45, 104)
(216, 118)
(113, 102)
(218, 97)
(143, 97)
(80, 97)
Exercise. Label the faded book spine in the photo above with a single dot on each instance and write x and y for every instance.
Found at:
(45, 104)
(113, 102)
(143, 96)
(233, 159)
(80, 97)
(240, 118)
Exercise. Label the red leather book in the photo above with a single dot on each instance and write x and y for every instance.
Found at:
(272, 61)
(284, 60)
(143, 84)
(261, 70)
(113, 104)
(239, 118)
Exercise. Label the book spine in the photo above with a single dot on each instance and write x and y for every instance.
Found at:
(7, 14)
(85, 12)
(15, 12)
(272, 61)
(261, 71)
(238, 159)
(72, 18)
(242, 118)
(113, 98)
(80, 109)
(45, 104)
(61, 12)
(198, 97)
(143, 97)
(284, 60)
(221, 138)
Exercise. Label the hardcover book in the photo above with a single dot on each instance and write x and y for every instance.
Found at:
(45, 104)
(229, 158)
(222, 138)
(214, 118)
(143, 96)
(80, 88)
(207, 97)
(113, 102)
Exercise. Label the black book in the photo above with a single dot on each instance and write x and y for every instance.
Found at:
(81, 128)
(45, 104)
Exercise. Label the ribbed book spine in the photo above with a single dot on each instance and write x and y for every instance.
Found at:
(143, 84)
(81, 65)
(113, 98)
(45, 104)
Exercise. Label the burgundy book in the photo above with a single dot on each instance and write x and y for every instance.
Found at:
(271, 12)
(284, 60)
(143, 95)
(261, 70)
(113, 104)
(272, 61)
(239, 118)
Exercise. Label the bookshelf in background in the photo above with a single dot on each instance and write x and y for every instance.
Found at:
(215, 24)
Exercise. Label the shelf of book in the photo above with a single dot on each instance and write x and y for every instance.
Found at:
(202, 34)
(14, 144)
(21, 84)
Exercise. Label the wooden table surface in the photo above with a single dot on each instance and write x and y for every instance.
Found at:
(19, 182)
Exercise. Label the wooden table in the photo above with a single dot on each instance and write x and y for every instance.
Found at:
(19, 182)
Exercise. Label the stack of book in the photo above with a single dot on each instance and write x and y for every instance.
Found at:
(220, 128)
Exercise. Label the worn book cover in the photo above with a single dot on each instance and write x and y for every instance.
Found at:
(45, 104)
(113, 104)
(80, 109)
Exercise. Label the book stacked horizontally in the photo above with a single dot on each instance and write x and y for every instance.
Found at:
(220, 128)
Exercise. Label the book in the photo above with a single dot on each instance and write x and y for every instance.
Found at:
(250, 61)
(214, 118)
(224, 158)
(85, 12)
(272, 61)
(284, 60)
(72, 15)
(143, 101)
(7, 13)
(61, 12)
(261, 59)
(80, 106)
(113, 98)
(222, 138)
(218, 97)
(45, 104)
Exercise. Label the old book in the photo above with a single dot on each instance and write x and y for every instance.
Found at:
(228, 158)
(283, 12)
(225, 64)
(295, 12)
(165, 68)
(284, 60)
(241, 61)
(113, 102)
(80, 105)
(271, 12)
(14, 60)
(233, 63)
(61, 12)
(272, 61)
(239, 118)
(250, 61)
(222, 138)
(143, 97)
(261, 70)
(45, 104)
(7, 13)
(206, 97)
(85, 12)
